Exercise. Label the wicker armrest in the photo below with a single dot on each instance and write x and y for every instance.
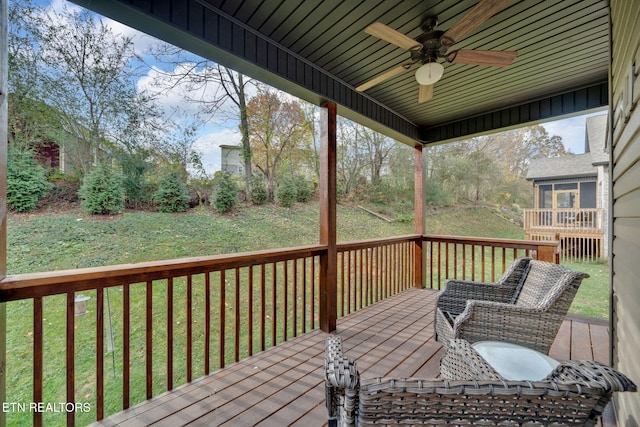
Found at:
(342, 381)
(592, 374)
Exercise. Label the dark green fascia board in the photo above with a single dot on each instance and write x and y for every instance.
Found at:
(555, 107)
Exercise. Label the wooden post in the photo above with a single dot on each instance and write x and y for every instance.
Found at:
(419, 209)
(327, 189)
(4, 87)
(547, 253)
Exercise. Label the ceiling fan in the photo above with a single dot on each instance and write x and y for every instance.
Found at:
(433, 44)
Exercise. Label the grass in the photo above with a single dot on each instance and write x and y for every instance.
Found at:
(71, 239)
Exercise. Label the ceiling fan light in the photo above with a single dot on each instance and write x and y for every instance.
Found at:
(429, 73)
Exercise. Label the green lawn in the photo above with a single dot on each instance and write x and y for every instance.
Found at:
(45, 242)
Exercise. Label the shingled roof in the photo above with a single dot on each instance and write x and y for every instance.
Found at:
(576, 165)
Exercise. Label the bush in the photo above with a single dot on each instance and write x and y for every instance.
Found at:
(102, 191)
(287, 193)
(171, 195)
(259, 193)
(26, 180)
(303, 189)
(225, 192)
(293, 188)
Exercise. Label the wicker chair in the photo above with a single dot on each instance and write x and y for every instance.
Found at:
(529, 313)
(573, 395)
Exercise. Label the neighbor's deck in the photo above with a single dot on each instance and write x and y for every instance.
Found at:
(285, 384)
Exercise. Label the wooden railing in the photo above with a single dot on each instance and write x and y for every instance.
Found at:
(476, 258)
(573, 220)
(372, 270)
(173, 321)
(579, 231)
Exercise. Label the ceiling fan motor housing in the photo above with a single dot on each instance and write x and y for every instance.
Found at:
(431, 47)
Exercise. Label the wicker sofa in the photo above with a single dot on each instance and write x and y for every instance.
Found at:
(574, 394)
(526, 306)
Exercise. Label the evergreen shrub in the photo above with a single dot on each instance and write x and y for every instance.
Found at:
(225, 192)
(171, 195)
(102, 191)
(287, 192)
(259, 193)
(26, 180)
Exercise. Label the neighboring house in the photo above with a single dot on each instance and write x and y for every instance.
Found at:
(571, 197)
(231, 159)
(57, 140)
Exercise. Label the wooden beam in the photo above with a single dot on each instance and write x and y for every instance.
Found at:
(328, 198)
(419, 210)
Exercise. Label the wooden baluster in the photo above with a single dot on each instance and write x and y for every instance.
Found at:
(484, 250)
(99, 353)
(313, 293)
(493, 264)
(126, 346)
(349, 282)
(304, 295)
(170, 333)
(223, 309)
(295, 298)
(473, 262)
(274, 303)
(189, 330)
(263, 308)
(70, 356)
(38, 349)
(207, 323)
(250, 311)
(149, 339)
(237, 314)
(285, 302)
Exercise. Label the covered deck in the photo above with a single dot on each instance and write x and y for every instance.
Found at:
(284, 385)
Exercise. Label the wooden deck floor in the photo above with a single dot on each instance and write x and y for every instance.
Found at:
(285, 385)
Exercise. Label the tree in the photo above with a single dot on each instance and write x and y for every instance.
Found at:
(376, 149)
(276, 127)
(401, 161)
(89, 79)
(209, 86)
(234, 85)
(177, 148)
(30, 121)
(351, 161)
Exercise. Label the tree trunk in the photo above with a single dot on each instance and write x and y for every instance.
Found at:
(244, 129)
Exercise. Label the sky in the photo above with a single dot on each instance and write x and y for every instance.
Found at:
(222, 130)
(572, 131)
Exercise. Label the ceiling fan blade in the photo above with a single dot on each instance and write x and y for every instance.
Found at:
(388, 34)
(382, 77)
(482, 11)
(492, 58)
(425, 93)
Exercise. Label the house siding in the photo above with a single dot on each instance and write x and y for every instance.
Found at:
(625, 200)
